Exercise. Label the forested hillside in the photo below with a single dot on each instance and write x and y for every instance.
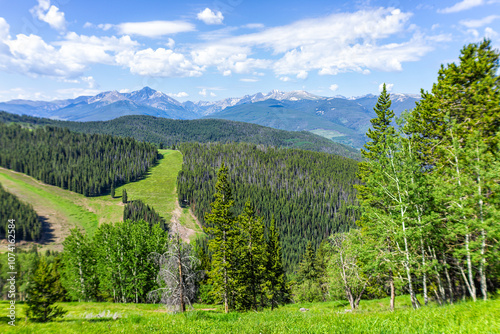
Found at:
(168, 132)
(309, 193)
(87, 164)
(27, 225)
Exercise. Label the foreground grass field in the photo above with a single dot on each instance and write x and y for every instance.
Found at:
(330, 317)
(64, 210)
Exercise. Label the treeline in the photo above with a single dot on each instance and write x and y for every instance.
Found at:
(28, 226)
(137, 210)
(431, 191)
(170, 133)
(83, 163)
(310, 194)
(113, 265)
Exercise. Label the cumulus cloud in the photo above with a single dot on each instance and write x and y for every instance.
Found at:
(334, 87)
(179, 95)
(210, 17)
(461, 6)
(158, 63)
(388, 87)
(154, 29)
(479, 23)
(90, 82)
(203, 92)
(49, 14)
(329, 45)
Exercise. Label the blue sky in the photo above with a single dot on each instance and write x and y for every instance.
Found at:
(229, 48)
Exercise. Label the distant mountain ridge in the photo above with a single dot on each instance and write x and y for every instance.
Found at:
(340, 119)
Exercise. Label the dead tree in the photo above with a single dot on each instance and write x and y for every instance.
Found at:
(177, 276)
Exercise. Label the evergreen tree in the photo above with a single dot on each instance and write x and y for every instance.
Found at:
(252, 260)
(221, 227)
(44, 290)
(274, 285)
(124, 196)
(469, 93)
(381, 125)
(112, 191)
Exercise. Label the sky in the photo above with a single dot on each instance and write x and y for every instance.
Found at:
(197, 50)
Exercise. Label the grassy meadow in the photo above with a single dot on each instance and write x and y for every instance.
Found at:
(330, 317)
(64, 209)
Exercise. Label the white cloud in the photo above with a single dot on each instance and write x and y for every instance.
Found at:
(461, 6)
(249, 80)
(490, 33)
(337, 43)
(158, 63)
(302, 75)
(388, 87)
(179, 95)
(334, 87)
(212, 94)
(285, 79)
(90, 82)
(226, 73)
(154, 28)
(254, 26)
(88, 25)
(170, 44)
(76, 92)
(479, 23)
(49, 14)
(203, 92)
(105, 26)
(210, 17)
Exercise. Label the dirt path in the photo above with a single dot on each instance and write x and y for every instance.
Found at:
(176, 227)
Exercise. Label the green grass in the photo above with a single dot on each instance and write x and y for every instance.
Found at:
(372, 317)
(158, 188)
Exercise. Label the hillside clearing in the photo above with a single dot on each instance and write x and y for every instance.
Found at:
(62, 210)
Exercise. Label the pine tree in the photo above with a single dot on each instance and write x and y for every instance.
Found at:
(221, 227)
(274, 285)
(124, 196)
(252, 258)
(467, 93)
(112, 191)
(44, 290)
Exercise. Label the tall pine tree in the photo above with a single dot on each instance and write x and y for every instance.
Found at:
(221, 227)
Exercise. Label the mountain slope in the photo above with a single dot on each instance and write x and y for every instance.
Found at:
(170, 132)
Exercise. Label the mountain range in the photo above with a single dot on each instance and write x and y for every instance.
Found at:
(340, 119)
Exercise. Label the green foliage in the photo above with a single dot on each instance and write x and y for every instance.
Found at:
(86, 164)
(44, 290)
(27, 225)
(114, 264)
(79, 274)
(124, 196)
(136, 210)
(310, 194)
(275, 285)
(223, 245)
(252, 259)
(468, 93)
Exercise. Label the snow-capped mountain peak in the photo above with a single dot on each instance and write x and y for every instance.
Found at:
(107, 97)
